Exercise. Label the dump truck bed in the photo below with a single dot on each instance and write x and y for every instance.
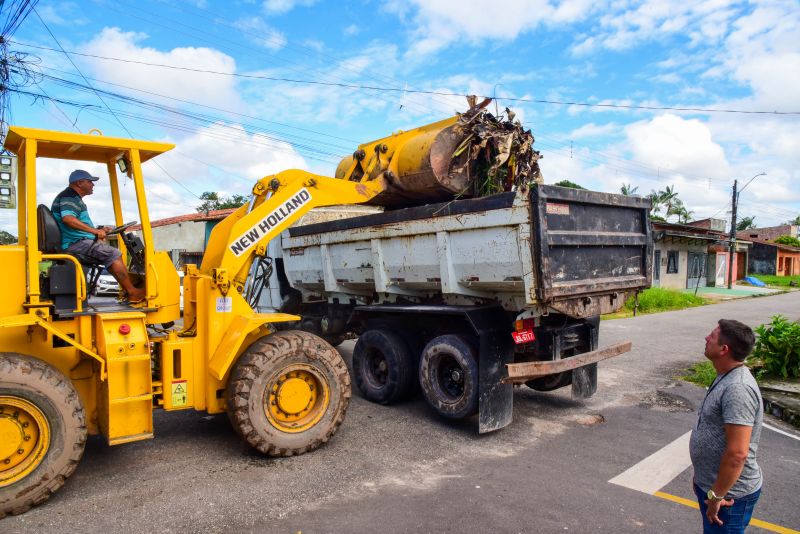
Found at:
(574, 251)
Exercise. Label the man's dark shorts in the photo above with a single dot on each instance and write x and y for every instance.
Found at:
(97, 250)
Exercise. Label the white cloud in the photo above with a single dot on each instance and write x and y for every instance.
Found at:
(441, 22)
(351, 30)
(624, 26)
(592, 130)
(61, 14)
(278, 7)
(259, 32)
(239, 158)
(673, 143)
(209, 89)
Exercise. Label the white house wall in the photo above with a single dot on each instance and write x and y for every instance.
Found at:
(676, 280)
(189, 236)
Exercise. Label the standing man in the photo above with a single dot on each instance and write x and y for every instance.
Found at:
(727, 479)
(79, 236)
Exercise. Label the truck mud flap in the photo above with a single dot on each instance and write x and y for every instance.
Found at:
(584, 381)
(496, 398)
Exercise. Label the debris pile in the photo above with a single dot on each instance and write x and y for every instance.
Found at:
(496, 153)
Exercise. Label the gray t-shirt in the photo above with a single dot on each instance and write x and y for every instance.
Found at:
(735, 399)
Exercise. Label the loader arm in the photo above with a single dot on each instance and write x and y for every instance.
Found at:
(216, 313)
(278, 201)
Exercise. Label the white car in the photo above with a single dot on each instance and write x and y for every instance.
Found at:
(106, 284)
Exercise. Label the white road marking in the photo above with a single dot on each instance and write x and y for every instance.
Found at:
(779, 431)
(658, 469)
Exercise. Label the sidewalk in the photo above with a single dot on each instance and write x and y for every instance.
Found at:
(737, 292)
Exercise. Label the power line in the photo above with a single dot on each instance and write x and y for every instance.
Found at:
(202, 37)
(101, 98)
(197, 104)
(419, 91)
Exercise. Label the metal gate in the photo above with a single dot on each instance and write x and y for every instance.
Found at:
(696, 270)
(657, 269)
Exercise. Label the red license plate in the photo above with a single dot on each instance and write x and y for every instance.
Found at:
(525, 336)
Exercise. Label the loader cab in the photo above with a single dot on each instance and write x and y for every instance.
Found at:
(47, 279)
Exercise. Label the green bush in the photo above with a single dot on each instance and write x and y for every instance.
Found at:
(788, 240)
(777, 349)
(656, 299)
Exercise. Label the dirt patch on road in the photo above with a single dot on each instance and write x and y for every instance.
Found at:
(663, 401)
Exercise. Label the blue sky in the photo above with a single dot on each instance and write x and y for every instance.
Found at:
(243, 122)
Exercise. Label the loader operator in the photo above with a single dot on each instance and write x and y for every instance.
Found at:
(80, 237)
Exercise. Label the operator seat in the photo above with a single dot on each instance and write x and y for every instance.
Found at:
(50, 243)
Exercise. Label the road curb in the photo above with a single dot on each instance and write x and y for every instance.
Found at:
(783, 406)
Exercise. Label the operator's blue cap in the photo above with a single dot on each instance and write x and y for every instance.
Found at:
(80, 174)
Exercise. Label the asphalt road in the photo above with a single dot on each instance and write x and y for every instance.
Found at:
(400, 468)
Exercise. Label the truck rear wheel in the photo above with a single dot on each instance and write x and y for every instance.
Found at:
(448, 375)
(383, 366)
(42, 431)
(288, 393)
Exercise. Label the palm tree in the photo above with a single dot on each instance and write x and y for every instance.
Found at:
(745, 223)
(684, 215)
(655, 203)
(669, 197)
(628, 190)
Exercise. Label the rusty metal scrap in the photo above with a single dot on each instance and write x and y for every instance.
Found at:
(524, 371)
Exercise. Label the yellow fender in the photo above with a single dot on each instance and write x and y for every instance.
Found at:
(231, 343)
(27, 319)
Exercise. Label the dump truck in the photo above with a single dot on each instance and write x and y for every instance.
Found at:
(465, 297)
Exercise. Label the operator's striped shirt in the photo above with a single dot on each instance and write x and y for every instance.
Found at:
(69, 202)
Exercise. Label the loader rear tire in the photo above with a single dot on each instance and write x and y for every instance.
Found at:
(288, 393)
(383, 366)
(42, 431)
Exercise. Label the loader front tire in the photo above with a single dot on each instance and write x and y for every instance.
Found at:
(288, 393)
(42, 431)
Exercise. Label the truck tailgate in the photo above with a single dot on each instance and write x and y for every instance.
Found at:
(592, 247)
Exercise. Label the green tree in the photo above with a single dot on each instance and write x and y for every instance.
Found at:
(745, 223)
(6, 238)
(788, 240)
(628, 190)
(655, 205)
(681, 212)
(213, 201)
(795, 221)
(567, 183)
(669, 197)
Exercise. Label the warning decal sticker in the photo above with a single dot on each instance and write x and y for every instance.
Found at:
(179, 393)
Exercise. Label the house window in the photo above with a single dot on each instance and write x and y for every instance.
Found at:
(672, 261)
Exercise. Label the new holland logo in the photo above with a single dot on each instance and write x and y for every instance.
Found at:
(273, 219)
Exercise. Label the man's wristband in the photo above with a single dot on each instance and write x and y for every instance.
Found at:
(713, 496)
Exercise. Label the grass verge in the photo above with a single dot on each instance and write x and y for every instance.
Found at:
(658, 299)
(701, 373)
(778, 281)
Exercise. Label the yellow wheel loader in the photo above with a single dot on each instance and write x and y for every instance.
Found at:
(70, 368)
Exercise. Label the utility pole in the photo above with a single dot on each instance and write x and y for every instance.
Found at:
(732, 247)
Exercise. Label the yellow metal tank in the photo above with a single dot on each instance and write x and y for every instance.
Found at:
(415, 166)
